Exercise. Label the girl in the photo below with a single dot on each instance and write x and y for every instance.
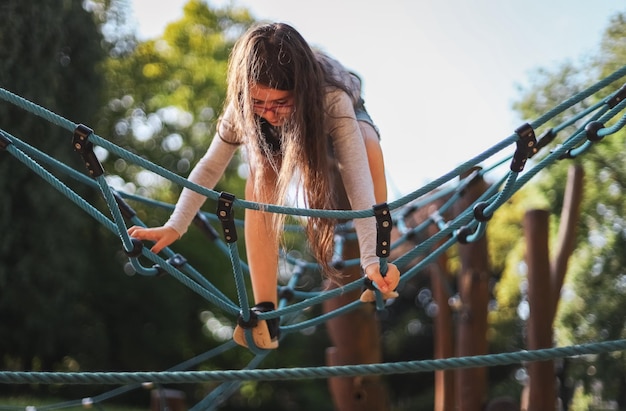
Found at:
(298, 114)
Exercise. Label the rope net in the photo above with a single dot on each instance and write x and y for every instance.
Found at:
(466, 227)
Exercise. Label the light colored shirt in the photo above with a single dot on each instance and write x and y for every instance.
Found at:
(349, 149)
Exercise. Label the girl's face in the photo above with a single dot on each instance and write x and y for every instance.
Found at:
(275, 106)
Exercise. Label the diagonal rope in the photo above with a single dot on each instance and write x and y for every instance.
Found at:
(449, 234)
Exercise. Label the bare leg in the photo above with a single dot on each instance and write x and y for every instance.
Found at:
(262, 250)
(376, 161)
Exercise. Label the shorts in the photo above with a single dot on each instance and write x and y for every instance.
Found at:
(363, 115)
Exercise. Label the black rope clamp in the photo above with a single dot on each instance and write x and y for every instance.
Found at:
(176, 261)
(286, 293)
(384, 225)
(84, 147)
(462, 233)
(479, 212)
(226, 216)
(273, 324)
(125, 208)
(203, 224)
(544, 139)
(526, 147)
(136, 250)
(617, 97)
(4, 141)
(251, 323)
(592, 129)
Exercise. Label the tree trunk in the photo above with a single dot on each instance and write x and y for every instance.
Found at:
(443, 338)
(355, 337)
(542, 379)
(545, 280)
(566, 240)
(473, 286)
(356, 340)
(440, 280)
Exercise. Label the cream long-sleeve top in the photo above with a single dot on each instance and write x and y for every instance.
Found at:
(349, 149)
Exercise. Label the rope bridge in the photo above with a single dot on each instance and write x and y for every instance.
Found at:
(466, 227)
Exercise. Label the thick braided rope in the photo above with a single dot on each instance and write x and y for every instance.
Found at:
(71, 126)
(58, 120)
(495, 201)
(405, 367)
(110, 225)
(552, 158)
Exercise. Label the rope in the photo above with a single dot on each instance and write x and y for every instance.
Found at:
(467, 226)
(303, 373)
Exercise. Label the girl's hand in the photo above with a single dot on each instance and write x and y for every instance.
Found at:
(387, 283)
(162, 236)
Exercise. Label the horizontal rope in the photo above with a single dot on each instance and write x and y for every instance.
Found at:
(405, 367)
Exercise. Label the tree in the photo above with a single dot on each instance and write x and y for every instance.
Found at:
(49, 54)
(165, 95)
(68, 269)
(545, 281)
(163, 100)
(597, 267)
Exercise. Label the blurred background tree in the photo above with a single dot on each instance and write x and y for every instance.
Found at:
(591, 301)
(49, 54)
(69, 302)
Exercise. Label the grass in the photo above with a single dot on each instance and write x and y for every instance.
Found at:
(21, 402)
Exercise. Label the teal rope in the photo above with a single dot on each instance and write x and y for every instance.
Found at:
(240, 283)
(59, 186)
(102, 219)
(212, 194)
(43, 158)
(36, 110)
(616, 75)
(218, 396)
(405, 367)
(464, 218)
(338, 214)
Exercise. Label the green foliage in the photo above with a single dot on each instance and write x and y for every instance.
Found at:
(165, 95)
(163, 100)
(592, 305)
(65, 301)
(48, 54)
(581, 401)
(506, 252)
(22, 402)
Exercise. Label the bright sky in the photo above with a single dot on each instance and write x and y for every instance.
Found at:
(439, 75)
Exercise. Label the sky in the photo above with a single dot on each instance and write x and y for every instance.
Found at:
(439, 76)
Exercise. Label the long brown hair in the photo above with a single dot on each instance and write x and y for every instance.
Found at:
(275, 55)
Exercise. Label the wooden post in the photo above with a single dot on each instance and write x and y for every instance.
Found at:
(167, 399)
(473, 286)
(440, 280)
(355, 337)
(443, 338)
(542, 379)
(356, 340)
(545, 280)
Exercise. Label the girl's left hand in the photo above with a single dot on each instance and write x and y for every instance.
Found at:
(387, 283)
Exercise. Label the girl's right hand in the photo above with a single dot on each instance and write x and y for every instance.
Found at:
(162, 236)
